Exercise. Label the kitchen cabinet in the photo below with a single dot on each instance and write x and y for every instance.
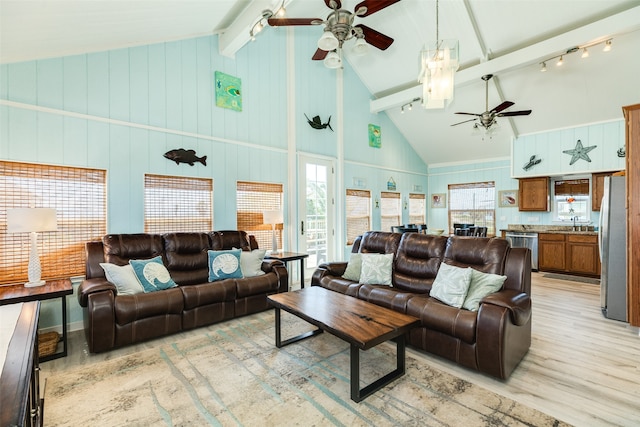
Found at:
(597, 188)
(551, 252)
(533, 194)
(569, 253)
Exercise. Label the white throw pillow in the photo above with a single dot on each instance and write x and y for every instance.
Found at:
(482, 284)
(251, 262)
(123, 277)
(376, 269)
(354, 267)
(451, 284)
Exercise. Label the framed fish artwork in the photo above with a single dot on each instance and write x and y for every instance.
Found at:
(375, 136)
(228, 91)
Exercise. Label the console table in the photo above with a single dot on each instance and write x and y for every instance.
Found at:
(290, 256)
(19, 380)
(59, 288)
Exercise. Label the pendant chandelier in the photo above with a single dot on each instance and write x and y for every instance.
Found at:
(439, 60)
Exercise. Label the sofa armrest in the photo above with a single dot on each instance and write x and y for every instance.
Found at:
(517, 303)
(269, 264)
(90, 286)
(276, 266)
(328, 269)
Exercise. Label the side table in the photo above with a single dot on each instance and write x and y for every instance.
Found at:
(59, 288)
(290, 256)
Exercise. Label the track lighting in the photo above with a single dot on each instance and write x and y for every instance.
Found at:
(409, 104)
(585, 53)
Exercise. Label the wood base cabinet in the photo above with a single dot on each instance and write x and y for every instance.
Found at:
(569, 253)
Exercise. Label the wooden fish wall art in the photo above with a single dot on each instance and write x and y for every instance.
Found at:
(180, 155)
(316, 123)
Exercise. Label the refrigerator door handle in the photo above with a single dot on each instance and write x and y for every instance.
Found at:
(600, 221)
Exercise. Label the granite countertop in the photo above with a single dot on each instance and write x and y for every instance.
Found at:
(550, 229)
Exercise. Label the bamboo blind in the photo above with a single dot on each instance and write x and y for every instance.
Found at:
(358, 207)
(390, 210)
(252, 199)
(79, 197)
(417, 208)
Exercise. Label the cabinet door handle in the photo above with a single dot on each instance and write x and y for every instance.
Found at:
(302, 227)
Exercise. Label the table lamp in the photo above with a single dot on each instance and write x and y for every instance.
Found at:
(32, 220)
(273, 218)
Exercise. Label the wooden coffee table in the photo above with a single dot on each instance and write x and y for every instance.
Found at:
(362, 324)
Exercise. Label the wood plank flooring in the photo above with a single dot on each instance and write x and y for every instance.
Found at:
(581, 368)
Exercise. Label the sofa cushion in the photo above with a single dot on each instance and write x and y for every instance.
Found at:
(376, 269)
(354, 267)
(451, 285)
(443, 318)
(379, 242)
(186, 257)
(208, 293)
(152, 274)
(123, 277)
(386, 296)
(267, 283)
(120, 248)
(224, 265)
(482, 284)
(417, 262)
(129, 308)
(485, 254)
(228, 239)
(340, 284)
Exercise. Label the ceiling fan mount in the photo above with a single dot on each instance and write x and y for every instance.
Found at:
(339, 28)
(488, 118)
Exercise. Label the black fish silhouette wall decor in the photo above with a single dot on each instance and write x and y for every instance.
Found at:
(180, 155)
(316, 123)
(532, 162)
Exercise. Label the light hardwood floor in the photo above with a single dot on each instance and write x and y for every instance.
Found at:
(581, 368)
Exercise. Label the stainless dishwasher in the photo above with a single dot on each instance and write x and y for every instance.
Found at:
(525, 239)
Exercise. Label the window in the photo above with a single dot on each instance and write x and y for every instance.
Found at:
(473, 203)
(417, 208)
(177, 204)
(79, 197)
(572, 200)
(390, 210)
(358, 206)
(252, 199)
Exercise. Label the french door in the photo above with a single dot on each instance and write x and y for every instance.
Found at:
(316, 210)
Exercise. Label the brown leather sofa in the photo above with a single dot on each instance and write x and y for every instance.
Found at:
(492, 340)
(113, 320)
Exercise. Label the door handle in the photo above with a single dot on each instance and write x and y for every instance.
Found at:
(302, 227)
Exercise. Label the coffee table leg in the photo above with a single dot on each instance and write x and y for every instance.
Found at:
(278, 336)
(305, 335)
(358, 394)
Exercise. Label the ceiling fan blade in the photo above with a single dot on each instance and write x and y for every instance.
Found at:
(337, 2)
(466, 121)
(319, 55)
(471, 114)
(514, 113)
(282, 22)
(375, 38)
(374, 6)
(503, 106)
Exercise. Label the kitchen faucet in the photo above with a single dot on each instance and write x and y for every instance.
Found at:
(574, 219)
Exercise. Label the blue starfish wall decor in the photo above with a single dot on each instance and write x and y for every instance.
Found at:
(579, 152)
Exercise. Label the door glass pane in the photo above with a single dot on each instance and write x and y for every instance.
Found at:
(316, 220)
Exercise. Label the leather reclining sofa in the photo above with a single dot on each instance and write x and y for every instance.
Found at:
(112, 320)
(491, 340)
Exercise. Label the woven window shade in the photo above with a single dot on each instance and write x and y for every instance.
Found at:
(358, 207)
(252, 199)
(473, 203)
(79, 197)
(572, 187)
(390, 210)
(177, 204)
(417, 208)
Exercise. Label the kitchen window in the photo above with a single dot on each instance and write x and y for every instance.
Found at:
(572, 199)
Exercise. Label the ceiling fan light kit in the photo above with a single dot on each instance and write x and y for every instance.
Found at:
(328, 41)
(439, 60)
(333, 60)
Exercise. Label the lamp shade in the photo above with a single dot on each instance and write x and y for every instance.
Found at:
(26, 220)
(328, 41)
(272, 217)
(332, 60)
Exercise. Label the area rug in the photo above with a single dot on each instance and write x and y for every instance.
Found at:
(569, 277)
(233, 375)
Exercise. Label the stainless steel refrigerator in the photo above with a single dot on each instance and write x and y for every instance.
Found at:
(613, 249)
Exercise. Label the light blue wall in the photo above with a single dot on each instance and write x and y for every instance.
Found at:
(121, 110)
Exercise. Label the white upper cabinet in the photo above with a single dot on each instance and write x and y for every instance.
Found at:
(586, 149)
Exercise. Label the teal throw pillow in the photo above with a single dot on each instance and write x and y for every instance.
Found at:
(482, 284)
(451, 284)
(376, 269)
(152, 274)
(354, 266)
(224, 265)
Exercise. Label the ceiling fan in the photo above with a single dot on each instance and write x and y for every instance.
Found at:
(488, 118)
(338, 28)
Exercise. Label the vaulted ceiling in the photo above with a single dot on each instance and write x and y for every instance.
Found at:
(507, 38)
